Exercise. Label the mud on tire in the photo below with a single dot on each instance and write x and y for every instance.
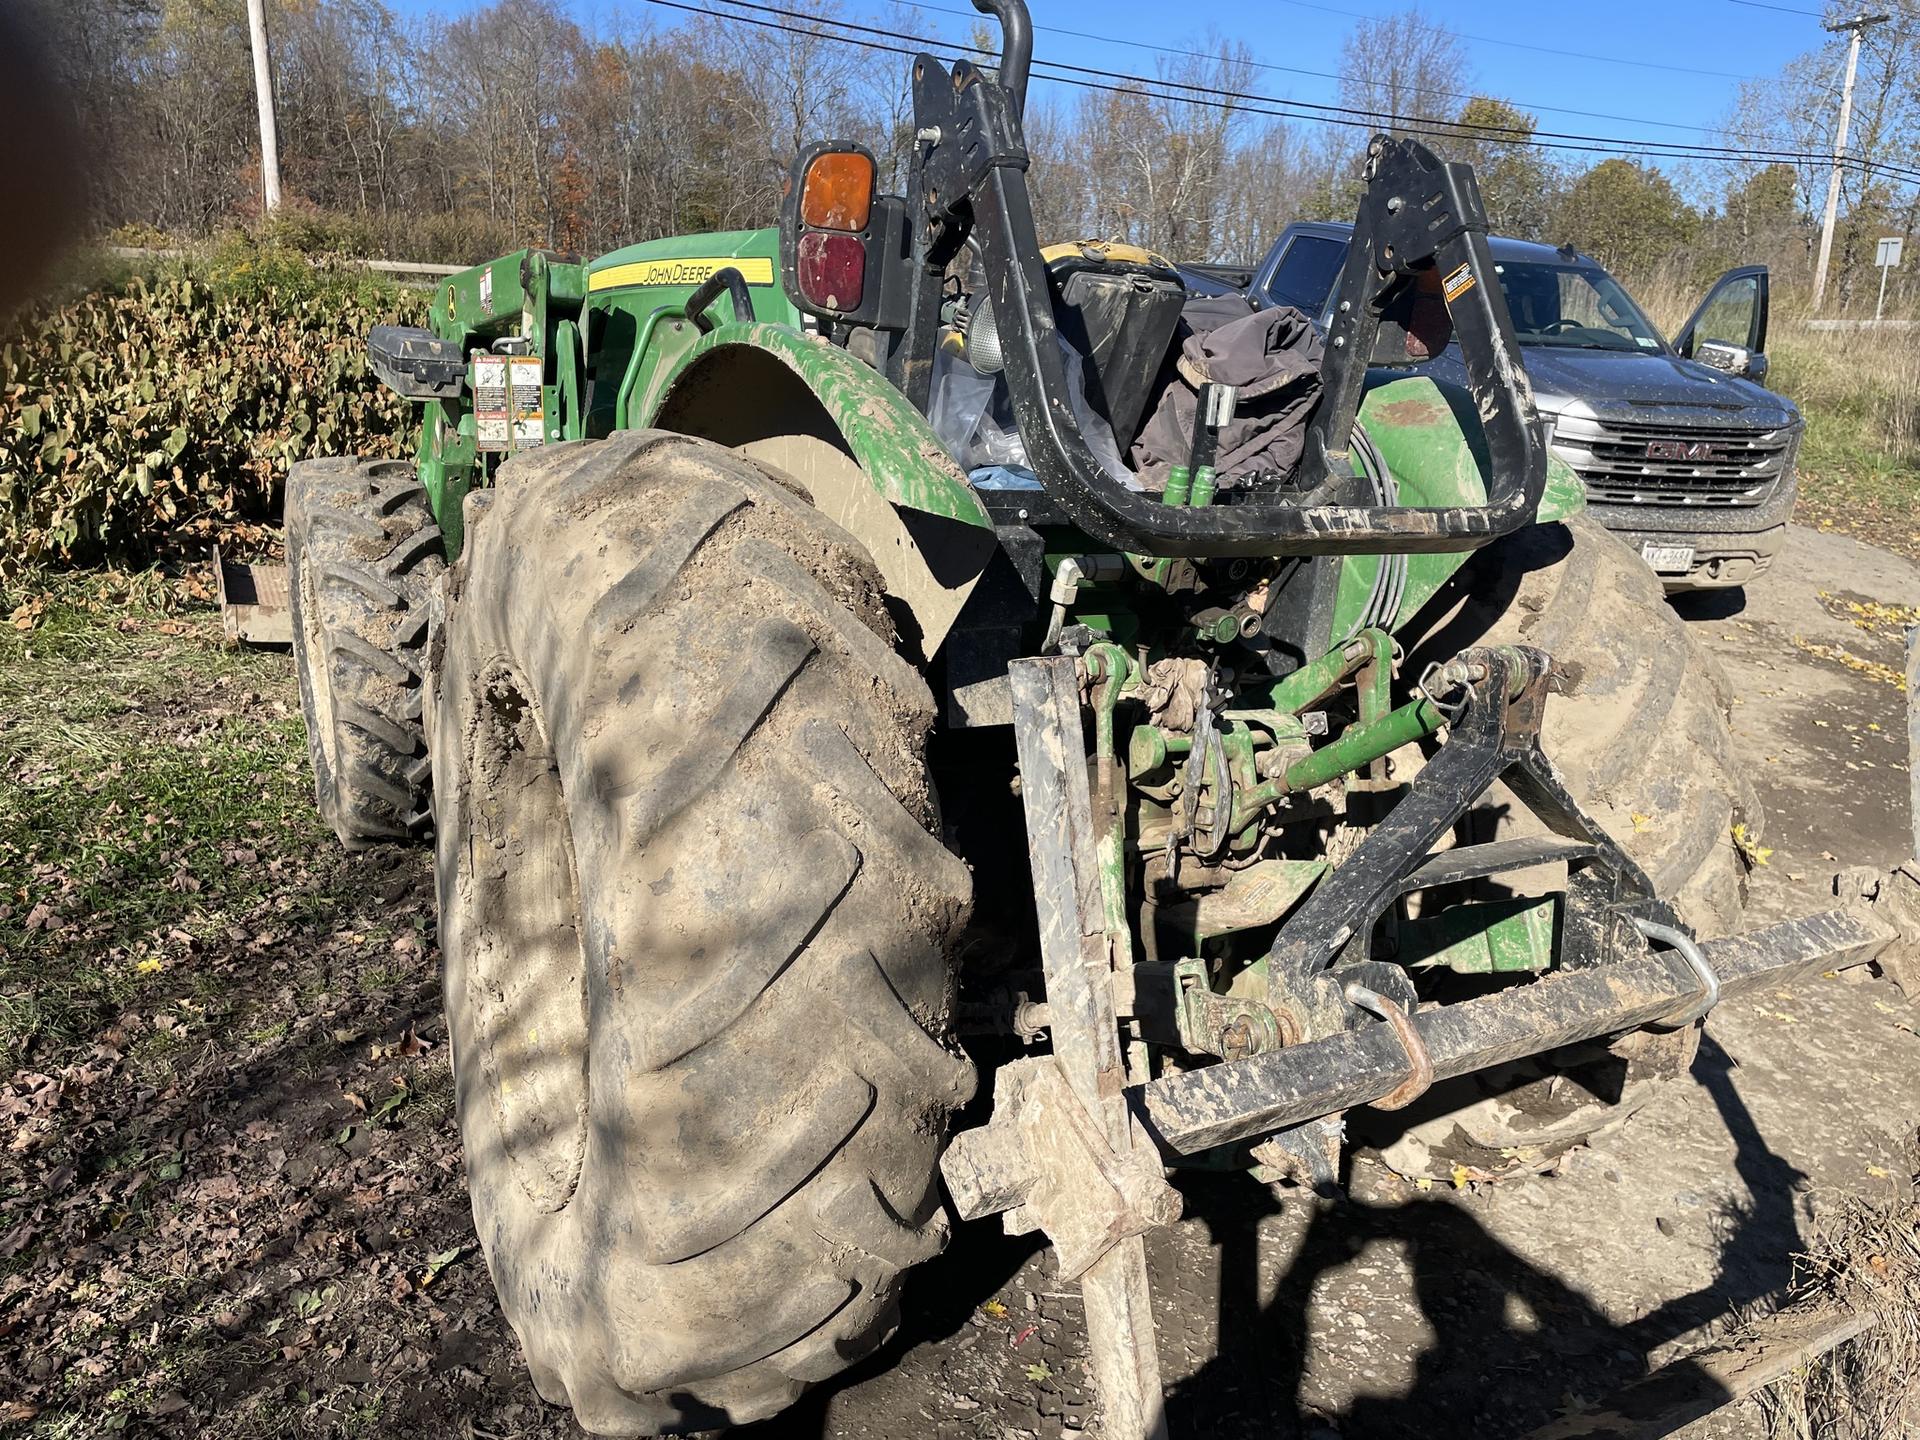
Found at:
(694, 925)
(1639, 730)
(363, 557)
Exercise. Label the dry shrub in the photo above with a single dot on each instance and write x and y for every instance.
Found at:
(142, 417)
(1859, 389)
(1865, 1255)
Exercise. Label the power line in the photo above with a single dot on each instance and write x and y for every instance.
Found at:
(1261, 104)
(1783, 9)
(1502, 134)
(1453, 129)
(1522, 45)
(1329, 75)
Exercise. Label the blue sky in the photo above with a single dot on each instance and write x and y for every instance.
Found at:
(1687, 54)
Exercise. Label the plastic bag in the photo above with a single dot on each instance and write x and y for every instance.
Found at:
(972, 414)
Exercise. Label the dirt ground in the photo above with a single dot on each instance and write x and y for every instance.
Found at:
(1503, 1307)
(231, 1201)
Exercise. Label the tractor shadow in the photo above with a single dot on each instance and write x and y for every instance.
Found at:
(1512, 1345)
(1244, 1296)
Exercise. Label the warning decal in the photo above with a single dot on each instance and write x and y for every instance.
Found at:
(523, 395)
(492, 426)
(1458, 283)
(754, 269)
(508, 412)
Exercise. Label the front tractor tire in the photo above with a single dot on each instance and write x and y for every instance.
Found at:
(695, 919)
(363, 558)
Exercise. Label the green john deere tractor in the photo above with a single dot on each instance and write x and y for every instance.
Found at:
(729, 698)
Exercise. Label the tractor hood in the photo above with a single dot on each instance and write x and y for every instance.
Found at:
(1629, 385)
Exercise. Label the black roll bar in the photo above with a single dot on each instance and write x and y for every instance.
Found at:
(1419, 219)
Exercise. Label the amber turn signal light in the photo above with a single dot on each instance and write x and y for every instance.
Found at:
(838, 192)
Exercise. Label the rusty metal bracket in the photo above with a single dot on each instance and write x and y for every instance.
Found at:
(1228, 1026)
(1045, 1163)
(1093, 1143)
(1419, 1064)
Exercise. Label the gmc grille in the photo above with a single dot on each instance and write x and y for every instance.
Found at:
(1625, 463)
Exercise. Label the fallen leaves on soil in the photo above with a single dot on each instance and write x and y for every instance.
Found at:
(200, 1232)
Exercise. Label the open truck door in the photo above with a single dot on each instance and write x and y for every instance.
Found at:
(1729, 329)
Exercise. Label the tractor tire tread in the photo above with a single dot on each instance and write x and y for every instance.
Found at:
(360, 639)
(740, 760)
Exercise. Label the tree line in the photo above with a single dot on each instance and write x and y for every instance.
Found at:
(456, 138)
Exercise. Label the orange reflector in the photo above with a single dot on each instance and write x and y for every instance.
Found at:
(838, 192)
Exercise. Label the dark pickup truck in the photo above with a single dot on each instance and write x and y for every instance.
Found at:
(1685, 456)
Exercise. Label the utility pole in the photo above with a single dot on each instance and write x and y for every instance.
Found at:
(263, 93)
(1853, 27)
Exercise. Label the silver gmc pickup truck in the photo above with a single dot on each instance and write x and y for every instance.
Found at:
(1684, 455)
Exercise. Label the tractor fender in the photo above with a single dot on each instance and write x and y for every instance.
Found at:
(869, 460)
(1431, 437)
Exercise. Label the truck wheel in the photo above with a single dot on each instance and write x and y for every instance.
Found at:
(364, 556)
(695, 915)
(1639, 731)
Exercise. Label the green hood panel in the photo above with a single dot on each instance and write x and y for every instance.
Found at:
(1432, 442)
(681, 262)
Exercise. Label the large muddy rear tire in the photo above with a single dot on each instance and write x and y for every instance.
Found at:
(1639, 730)
(695, 916)
(363, 558)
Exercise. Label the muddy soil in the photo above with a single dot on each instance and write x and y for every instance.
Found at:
(253, 1248)
(1501, 1308)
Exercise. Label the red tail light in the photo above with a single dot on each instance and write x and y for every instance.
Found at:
(834, 229)
(832, 270)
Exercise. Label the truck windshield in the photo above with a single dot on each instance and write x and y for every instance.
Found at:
(1579, 307)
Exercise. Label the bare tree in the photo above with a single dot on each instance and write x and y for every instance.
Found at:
(1160, 157)
(1796, 111)
(514, 124)
(1404, 70)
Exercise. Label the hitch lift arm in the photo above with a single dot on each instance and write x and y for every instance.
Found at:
(1077, 1146)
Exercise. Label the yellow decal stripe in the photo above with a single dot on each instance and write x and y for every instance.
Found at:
(756, 269)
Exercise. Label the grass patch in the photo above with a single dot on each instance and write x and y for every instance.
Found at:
(150, 781)
(1860, 460)
(228, 1084)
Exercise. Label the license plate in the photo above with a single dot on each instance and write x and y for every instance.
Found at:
(1668, 559)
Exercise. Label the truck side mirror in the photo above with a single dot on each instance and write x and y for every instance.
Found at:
(1734, 359)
